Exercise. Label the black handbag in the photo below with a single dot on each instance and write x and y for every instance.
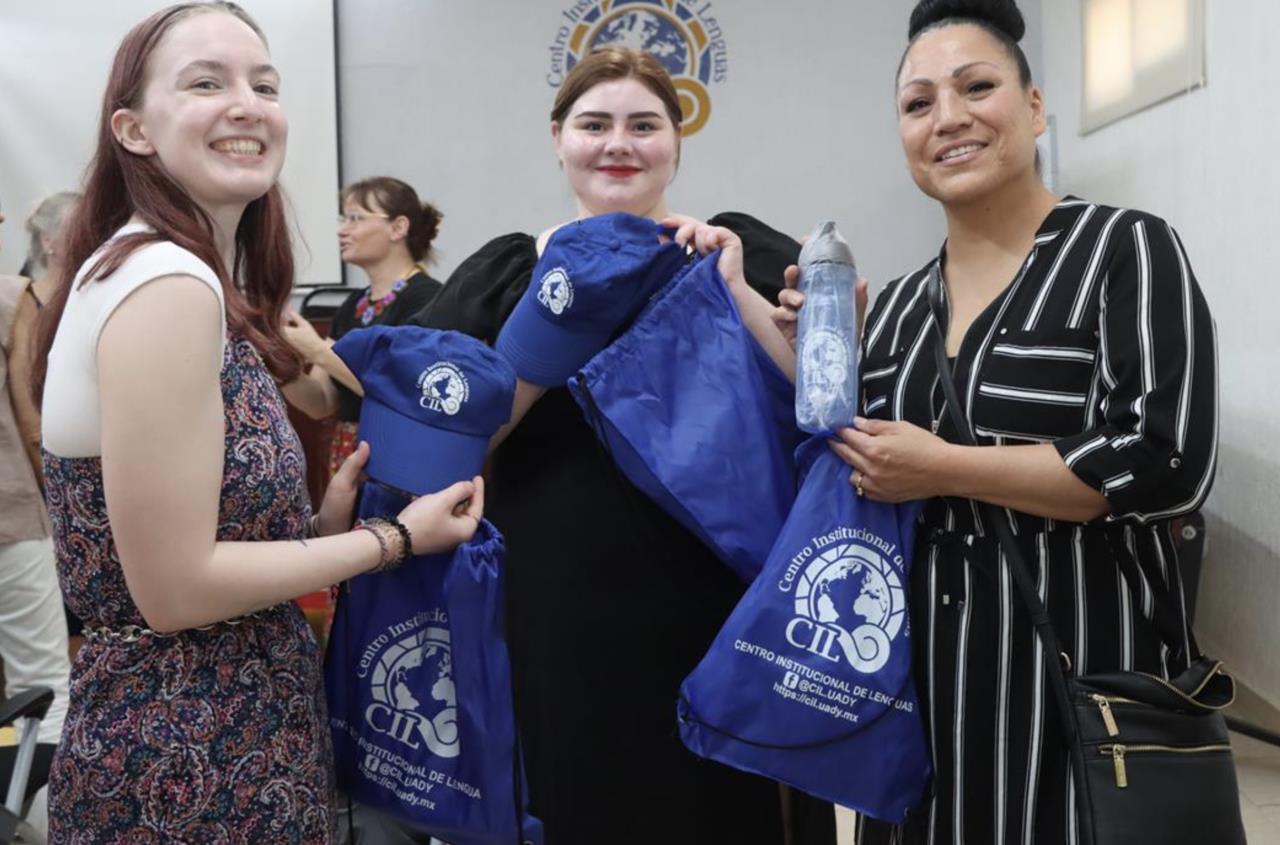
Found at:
(1151, 758)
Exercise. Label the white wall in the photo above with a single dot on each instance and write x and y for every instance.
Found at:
(54, 59)
(453, 98)
(1033, 43)
(1204, 162)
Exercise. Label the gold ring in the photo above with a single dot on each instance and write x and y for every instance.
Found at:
(857, 481)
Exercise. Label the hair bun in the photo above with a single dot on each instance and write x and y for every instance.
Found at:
(1001, 14)
(431, 219)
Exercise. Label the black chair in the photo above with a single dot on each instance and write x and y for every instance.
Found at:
(323, 302)
(24, 710)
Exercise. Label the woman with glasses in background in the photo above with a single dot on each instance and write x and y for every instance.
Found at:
(386, 231)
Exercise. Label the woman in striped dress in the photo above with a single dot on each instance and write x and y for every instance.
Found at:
(1084, 353)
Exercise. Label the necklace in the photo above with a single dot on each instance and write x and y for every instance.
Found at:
(369, 309)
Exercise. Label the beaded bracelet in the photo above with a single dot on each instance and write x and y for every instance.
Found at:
(390, 535)
(405, 537)
(372, 528)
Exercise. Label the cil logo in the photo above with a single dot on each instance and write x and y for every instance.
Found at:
(414, 701)
(444, 388)
(681, 34)
(849, 605)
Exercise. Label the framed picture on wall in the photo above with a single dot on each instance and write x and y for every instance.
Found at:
(1138, 53)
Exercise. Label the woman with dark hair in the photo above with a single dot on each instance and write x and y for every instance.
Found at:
(175, 484)
(610, 602)
(387, 232)
(1084, 354)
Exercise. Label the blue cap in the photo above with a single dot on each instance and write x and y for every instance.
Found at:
(432, 400)
(592, 279)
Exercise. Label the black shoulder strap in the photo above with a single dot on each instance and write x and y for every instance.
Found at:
(996, 517)
(1056, 661)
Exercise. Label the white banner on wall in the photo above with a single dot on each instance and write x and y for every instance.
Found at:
(790, 111)
(54, 59)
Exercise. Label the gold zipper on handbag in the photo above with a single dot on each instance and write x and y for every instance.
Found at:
(1191, 699)
(1104, 703)
(1117, 754)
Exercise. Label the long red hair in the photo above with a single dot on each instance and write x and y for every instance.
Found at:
(119, 185)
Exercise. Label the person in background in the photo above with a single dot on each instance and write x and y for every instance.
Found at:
(175, 483)
(44, 262)
(1085, 353)
(33, 629)
(387, 232)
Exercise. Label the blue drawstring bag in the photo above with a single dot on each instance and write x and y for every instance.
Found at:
(678, 401)
(809, 682)
(419, 692)
(417, 676)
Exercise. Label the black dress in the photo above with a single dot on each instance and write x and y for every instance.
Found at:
(610, 605)
(1103, 347)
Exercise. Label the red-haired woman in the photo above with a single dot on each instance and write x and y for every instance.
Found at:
(611, 603)
(175, 484)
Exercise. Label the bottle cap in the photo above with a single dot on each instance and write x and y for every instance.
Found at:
(825, 245)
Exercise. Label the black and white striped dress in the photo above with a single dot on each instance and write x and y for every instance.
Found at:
(1103, 346)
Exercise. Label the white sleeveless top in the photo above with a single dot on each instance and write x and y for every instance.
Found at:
(71, 420)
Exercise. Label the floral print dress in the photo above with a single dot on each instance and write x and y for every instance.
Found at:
(215, 735)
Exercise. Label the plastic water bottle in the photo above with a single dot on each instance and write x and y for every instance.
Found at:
(826, 338)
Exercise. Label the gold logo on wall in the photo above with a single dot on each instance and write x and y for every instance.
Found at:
(683, 36)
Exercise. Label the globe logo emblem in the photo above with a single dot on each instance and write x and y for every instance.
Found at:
(556, 291)
(681, 34)
(850, 604)
(654, 33)
(414, 697)
(824, 361)
(444, 388)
